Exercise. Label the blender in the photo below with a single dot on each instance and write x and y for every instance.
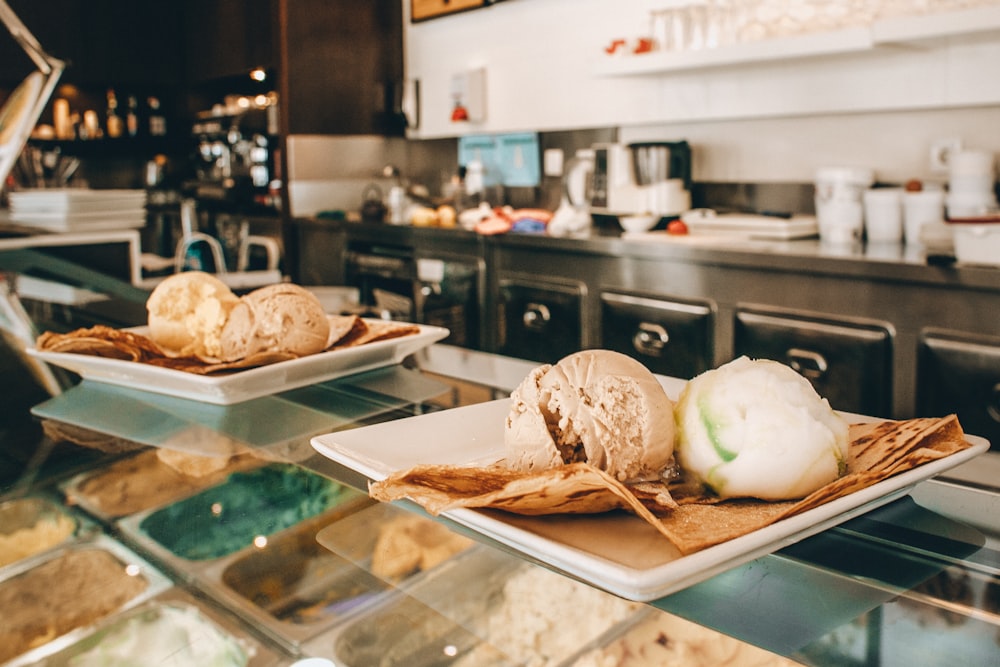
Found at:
(662, 174)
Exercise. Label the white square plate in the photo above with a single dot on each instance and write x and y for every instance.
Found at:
(243, 385)
(638, 564)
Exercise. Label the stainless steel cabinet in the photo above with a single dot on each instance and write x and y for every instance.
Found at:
(848, 361)
(960, 373)
(670, 336)
(538, 320)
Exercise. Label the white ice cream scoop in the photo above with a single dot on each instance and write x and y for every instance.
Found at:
(756, 428)
(186, 313)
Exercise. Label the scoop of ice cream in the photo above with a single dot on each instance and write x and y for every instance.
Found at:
(187, 312)
(756, 428)
(276, 318)
(597, 406)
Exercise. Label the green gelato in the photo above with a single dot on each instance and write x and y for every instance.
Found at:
(247, 507)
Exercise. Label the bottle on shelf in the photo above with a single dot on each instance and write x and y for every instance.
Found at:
(115, 126)
(132, 116)
(157, 122)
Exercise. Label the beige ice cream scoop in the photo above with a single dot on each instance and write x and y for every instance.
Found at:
(276, 318)
(597, 406)
(187, 312)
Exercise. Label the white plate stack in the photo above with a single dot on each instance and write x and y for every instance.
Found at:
(78, 209)
(970, 184)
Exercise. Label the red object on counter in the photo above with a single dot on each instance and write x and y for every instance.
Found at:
(459, 114)
(677, 228)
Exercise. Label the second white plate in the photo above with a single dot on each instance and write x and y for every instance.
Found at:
(639, 564)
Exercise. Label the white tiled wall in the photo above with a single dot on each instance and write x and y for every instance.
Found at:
(775, 121)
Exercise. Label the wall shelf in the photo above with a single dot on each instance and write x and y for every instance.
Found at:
(908, 30)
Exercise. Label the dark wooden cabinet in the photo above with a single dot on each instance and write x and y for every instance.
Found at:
(104, 42)
(227, 38)
(339, 63)
(341, 66)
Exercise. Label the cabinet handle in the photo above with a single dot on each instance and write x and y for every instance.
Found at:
(536, 316)
(650, 339)
(807, 363)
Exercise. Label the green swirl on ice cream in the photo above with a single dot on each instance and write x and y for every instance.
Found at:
(756, 428)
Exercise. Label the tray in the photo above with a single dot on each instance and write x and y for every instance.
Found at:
(707, 221)
(639, 564)
(244, 385)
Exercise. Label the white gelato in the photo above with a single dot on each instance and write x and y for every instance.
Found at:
(544, 617)
(187, 312)
(165, 636)
(759, 429)
(597, 406)
(665, 640)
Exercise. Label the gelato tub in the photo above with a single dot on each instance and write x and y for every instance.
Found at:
(70, 589)
(173, 629)
(145, 481)
(319, 574)
(391, 543)
(30, 526)
(244, 510)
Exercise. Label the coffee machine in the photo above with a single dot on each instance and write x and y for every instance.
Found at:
(641, 177)
(234, 158)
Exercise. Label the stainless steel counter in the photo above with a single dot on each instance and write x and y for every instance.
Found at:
(863, 261)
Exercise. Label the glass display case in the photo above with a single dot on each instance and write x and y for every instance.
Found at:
(231, 515)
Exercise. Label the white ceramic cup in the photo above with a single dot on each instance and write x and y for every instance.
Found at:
(884, 215)
(839, 209)
(921, 208)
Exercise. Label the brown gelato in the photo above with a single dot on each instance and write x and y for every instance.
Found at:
(70, 591)
(276, 318)
(29, 526)
(144, 481)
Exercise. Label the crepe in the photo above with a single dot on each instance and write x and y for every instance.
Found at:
(690, 518)
(101, 341)
(369, 331)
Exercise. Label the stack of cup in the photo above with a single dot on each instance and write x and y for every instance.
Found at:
(839, 208)
(971, 184)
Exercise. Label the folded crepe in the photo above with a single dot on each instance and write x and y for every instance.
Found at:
(690, 518)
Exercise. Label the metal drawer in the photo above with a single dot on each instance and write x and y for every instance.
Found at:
(960, 373)
(671, 337)
(539, 321)
(849, 362)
